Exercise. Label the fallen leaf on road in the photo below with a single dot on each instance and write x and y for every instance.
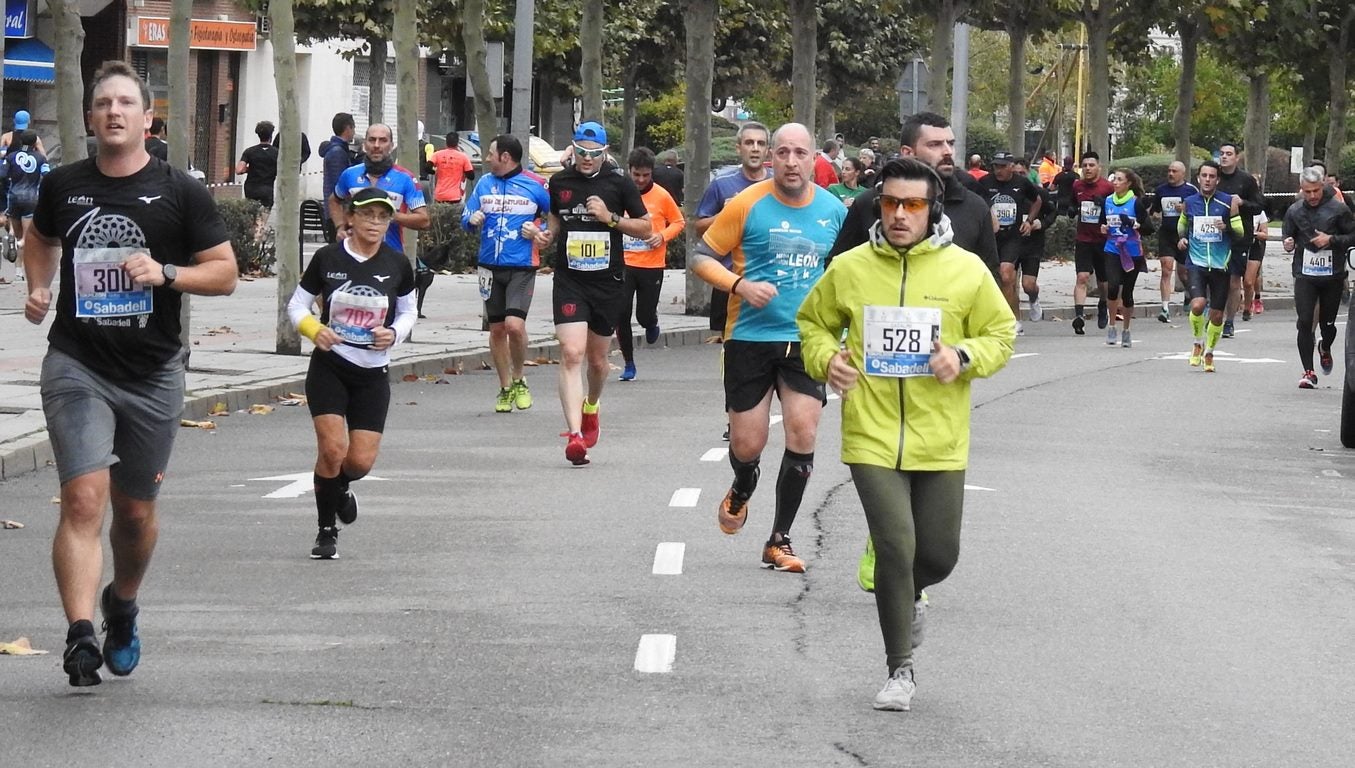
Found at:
(454, 370)
(219, 331)
(714, 340)
(10, 524)
(260, 409)
(219, 409)
(197, 424)
(484, 366)
(409, 377)
(56, 499)
(531, 363)
(292, 401)
(20, 647)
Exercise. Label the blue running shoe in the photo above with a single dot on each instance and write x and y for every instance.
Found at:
(122, 647)
(628, 374)
(82, 661)
(652, 334)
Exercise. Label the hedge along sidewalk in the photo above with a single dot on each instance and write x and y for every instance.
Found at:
(232, 360)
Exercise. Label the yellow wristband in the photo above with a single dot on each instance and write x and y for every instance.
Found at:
(309, 327)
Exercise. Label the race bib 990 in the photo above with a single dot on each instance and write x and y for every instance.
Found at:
(104, 289)
(589, 251)
(899, 340)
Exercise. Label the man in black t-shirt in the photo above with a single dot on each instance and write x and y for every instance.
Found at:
(1015, 203)
(591, 207)
(130, 235)
(1240, 184)
(669, 176)
(156, 145)
(261, 163)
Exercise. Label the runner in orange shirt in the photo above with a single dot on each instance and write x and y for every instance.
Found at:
(646, 259)
(454, 172)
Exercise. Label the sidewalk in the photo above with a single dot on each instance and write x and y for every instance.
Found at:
(233, 338)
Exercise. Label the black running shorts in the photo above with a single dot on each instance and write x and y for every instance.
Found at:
(1213, 283)
(597, 303)
(1016, 250)
(337, 387)
(1089, 258)
(752, 368)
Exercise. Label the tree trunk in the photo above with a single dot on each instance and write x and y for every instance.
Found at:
(629, 106)
(804, 78)
(179, 145)
(1338, 64)
(70, 85)
(287, 239)
(405, 36)
(1098, 65)
(376, 80)
(524, 22)
(827, 119)
(701, 16)
(590, 70)
(943, 47)
(1257, 128)
(1189, 31)
(1016, 84)
(473, 38)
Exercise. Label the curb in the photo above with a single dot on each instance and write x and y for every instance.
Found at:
(34, 451)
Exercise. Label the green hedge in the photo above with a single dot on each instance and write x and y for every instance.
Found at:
(253, 244)
(445, 244)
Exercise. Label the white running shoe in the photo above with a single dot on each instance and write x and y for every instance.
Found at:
(1036, 311)
(897, 695)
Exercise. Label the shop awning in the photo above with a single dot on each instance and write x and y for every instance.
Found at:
(29, 60)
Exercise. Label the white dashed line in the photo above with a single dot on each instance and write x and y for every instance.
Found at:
(977, 488)
(833, 396)
(656, 654)
(715, 454)
(685, 497)
(775, 420)
(1020, 355)
(1331, 473)
(668, 558)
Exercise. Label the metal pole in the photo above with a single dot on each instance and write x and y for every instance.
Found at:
(1077, 122)
(959, 92)
(524, 22)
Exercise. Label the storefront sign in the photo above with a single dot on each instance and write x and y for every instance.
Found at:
(19, 18)
(202, 34)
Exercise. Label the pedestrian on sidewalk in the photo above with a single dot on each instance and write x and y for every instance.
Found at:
(366, 292)
(905, 422)
(500, 207)
(130, 234)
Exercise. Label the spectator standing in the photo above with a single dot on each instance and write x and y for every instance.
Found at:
(337, 157)
(260, 163)
(454, 171)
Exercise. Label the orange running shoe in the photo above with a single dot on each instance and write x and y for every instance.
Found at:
(733, 512)
(779, 555)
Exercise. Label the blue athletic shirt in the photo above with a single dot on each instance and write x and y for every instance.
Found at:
(397, 182)
(1204, 224)
(722, 189)
(507, 202)
(775, 242)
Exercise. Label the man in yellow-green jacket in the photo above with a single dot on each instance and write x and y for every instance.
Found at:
(923, 318)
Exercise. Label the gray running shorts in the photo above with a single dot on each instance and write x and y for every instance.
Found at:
(510, 292)
(96, 422)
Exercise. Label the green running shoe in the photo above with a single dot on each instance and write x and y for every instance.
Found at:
(865, 570)
(522, 397)
(504, 404)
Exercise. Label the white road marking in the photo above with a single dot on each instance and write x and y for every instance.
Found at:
(969, 487)
(1223, 355)
(1331, 473)
(656, 654)
(833, 396)
(1025, 354)
(775, 420)
(668, 558)
(685, 497)
(715, 454)
(300, 483)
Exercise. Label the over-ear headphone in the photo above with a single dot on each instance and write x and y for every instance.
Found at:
(909, 167)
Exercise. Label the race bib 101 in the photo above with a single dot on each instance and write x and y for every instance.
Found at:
(899, 340)
(104, 289)
(589, 251)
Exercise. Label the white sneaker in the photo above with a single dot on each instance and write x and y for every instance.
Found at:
(1036, 311)
(897, 695)
(1020, 329)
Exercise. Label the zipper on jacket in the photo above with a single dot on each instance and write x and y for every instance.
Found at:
(903, 282)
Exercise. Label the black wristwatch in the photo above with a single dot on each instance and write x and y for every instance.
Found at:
(170, 272)
(964, 358)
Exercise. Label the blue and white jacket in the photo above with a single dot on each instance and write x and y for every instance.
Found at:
(507, 202)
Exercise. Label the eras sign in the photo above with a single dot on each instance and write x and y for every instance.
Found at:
(202, 34)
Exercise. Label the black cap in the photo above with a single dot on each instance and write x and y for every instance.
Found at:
(1002, 158)
(372, 196)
